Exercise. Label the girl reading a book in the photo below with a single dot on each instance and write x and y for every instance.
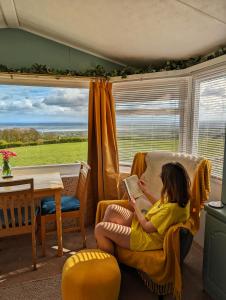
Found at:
(134, 230)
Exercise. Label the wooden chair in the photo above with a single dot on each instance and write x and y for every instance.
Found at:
(17, 210)
(71, 207)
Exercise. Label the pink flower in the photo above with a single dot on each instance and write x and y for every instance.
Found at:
(6, 154)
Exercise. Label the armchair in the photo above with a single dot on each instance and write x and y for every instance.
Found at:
(161, 269)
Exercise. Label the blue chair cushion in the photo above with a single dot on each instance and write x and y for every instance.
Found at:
(68, 203)
(16, 216)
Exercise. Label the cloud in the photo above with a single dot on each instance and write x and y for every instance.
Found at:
(9, 106)
(74, 99)
(215, 92)
(21, 103)
(64, 98)
(5, 97)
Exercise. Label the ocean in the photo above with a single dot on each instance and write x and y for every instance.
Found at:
(136, 128)
(48, 127)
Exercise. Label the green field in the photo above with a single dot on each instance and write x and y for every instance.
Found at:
(129, 147)
(50, 154)
(71, 152)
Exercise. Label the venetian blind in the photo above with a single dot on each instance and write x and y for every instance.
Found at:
(149, 115)
(210, 117)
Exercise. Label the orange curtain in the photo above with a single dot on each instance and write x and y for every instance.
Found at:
(102, 145)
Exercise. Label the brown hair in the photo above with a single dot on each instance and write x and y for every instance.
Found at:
(176, 183)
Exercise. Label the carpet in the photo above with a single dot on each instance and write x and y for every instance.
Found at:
(42, 289)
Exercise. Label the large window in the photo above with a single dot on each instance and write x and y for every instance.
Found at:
(166, 115)
(150, 116)
(210, 117)
(44, 125)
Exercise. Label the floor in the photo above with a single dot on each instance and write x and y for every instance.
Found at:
(15, 267)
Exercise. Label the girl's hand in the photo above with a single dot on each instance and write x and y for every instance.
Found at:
(143, 186)
(133, 202)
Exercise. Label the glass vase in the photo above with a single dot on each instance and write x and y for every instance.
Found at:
(6, 169)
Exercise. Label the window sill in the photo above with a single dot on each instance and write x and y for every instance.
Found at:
(63, 169)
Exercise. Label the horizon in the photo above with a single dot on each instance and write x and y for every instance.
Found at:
(54, 122)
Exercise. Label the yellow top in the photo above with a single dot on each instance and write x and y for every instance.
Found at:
(162, 216)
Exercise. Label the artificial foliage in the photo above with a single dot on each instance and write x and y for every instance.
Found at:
(99, 70)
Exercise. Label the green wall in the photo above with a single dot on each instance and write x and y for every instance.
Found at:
(19, 48)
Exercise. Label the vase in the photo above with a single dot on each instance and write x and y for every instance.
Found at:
(6, 169)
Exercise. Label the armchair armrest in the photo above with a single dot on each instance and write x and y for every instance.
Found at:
(102, 205)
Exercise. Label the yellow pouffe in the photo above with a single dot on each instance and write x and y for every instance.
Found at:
(91, 274)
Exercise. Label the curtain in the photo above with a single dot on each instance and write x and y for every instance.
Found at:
(102, 146)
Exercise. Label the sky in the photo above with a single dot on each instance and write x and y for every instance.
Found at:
(213, 100)
(31, 104)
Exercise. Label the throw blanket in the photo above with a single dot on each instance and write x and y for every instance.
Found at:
(163, 266)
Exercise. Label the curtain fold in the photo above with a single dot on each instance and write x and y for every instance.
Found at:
(102, 146)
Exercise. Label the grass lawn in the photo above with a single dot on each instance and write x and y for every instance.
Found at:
(50, 154)
(129, 147)
(72, 152)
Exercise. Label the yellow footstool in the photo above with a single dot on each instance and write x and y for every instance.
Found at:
(91, 274)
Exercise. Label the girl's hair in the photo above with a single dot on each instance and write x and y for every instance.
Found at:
(176, 183)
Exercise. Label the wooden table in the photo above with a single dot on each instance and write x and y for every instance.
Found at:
(48, 184)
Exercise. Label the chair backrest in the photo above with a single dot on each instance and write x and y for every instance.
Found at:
(186, 238)
(82, 186)
(17, 209)
(156, 159)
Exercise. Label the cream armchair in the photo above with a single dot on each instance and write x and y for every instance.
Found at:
(156, 159)
(161, 269)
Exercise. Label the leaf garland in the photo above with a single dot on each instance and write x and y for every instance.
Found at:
(99, 70)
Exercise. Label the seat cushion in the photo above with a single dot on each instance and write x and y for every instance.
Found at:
(91, 274)
(68, 203)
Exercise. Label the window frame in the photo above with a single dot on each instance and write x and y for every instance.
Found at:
(42, 80)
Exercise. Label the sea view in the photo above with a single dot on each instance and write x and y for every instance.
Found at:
(140, 128)
(35, 148)
(48, 127)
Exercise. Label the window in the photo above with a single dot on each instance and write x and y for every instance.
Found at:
(44, 125)
(150, 116)
(210, 117)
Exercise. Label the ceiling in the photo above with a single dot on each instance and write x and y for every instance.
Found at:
(126, 31)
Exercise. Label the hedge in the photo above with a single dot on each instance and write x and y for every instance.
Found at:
(4, 144)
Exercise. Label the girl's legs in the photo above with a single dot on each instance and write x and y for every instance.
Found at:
(115, 228)
(118, 215)
(108, 233)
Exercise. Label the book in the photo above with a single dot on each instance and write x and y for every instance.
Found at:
(133, 189)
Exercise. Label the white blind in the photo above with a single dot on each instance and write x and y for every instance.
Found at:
(150, 115)
(210, 117)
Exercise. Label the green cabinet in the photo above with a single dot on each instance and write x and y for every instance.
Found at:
(214, 260)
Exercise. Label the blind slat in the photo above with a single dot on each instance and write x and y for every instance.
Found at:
(148, 115)
(210, 117)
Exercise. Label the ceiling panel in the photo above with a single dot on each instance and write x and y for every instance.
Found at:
(2, 21)
(215, 8)
(131, 31)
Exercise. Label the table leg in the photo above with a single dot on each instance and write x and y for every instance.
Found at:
(59, 222)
